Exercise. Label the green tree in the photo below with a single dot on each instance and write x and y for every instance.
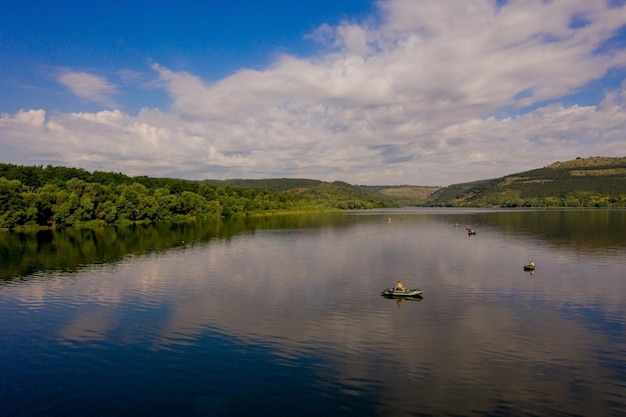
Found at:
(107, 211)
(131, 202)
(191, 203)
(11, 202)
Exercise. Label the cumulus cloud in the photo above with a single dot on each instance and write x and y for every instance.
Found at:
(434, 93)
(88, 86)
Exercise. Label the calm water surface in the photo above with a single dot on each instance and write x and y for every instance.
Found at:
(283, 316)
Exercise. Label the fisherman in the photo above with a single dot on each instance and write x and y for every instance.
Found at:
(399, 287)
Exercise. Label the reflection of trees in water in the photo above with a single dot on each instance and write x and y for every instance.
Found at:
(588, 229)
(25, 253)
(591, 229)
(68, 249)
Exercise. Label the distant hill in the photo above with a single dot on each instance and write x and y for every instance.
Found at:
(404, 195)
(275, 184)
(336, 190)
(390, 195)
(582, 182)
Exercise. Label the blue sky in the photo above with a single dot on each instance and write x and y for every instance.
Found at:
(389, 92)
(211, 39)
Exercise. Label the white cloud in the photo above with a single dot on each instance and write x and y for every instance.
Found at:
(410, 100)
(34, 118)
(88, 86)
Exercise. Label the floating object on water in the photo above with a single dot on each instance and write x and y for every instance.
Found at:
(407, 292)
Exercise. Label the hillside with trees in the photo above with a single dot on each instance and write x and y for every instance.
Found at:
(61, 196)
(404, 195)
(582, 182)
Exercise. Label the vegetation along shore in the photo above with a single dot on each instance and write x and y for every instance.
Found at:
(54, 196)
(37, 196)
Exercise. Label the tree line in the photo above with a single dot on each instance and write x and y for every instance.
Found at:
(62, 196)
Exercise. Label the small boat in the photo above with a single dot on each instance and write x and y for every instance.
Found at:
(529, 267)
(400, 298)
(407, 292)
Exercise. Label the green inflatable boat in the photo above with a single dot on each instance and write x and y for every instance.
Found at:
(407, 292)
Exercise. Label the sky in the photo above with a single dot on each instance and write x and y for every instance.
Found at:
(387, 92)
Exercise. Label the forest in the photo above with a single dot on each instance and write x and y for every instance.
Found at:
(56, 196)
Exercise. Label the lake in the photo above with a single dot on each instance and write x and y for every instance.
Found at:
(282, 315)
